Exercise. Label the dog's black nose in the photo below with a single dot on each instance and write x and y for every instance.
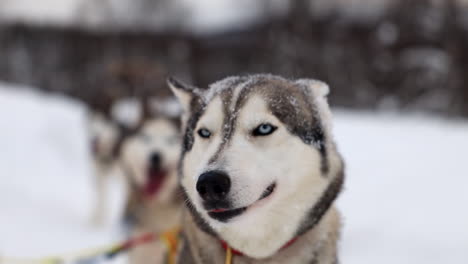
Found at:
(155, 160)
(213, 185)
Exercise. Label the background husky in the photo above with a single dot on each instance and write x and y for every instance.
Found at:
(146, 151)
(148, 159)
(260, 171)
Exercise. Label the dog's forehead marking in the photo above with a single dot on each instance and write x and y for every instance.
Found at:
(233, 95)
(218, 87)
(227, 128)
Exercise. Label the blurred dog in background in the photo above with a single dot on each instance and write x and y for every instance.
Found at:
(146, 150)
(149, 160)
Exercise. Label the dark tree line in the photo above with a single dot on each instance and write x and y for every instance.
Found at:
(414, 56)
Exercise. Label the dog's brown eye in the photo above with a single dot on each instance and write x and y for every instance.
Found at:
(264, 130)
(204, 133)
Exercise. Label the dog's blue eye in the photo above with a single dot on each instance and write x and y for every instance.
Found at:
(204, 133)
(264, 130)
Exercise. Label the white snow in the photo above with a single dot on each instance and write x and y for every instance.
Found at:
(405, 199)
(407, 188)
(46, 194)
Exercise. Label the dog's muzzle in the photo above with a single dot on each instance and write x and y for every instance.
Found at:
(213, 188)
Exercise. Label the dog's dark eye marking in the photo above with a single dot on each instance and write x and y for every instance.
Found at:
(264, 130)
(204, 133)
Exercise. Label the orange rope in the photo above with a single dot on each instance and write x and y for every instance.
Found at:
(228, 256)
(170, 239)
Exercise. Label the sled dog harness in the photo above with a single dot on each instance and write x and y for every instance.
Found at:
(171, 240)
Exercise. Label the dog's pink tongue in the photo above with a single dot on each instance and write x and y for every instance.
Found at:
(155, 181)
(220, 210)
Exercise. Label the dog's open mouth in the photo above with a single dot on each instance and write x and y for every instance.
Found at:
(223, 215)
(154, 182)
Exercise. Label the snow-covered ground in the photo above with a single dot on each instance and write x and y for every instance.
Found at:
(405, 200)
(46, 194)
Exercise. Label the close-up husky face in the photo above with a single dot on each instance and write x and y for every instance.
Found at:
(258, 159)
(150, 156)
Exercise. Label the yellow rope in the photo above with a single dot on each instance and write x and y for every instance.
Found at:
(65, 258)
(170, 239)
(48, 260)
(228, 255)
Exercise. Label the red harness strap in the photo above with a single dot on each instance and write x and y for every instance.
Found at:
(239, 253)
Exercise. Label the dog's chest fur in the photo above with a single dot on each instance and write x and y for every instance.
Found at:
(317, 246)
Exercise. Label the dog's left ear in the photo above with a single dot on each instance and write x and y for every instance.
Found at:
(320, 91)
(184, 93)
(318, 88)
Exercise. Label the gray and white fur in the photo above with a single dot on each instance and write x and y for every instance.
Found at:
(259, 167)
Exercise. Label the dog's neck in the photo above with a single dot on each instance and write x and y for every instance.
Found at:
(236, 252)
(317, 244)
(274, 242)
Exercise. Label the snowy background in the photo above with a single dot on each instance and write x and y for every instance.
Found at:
(46, 184)
(406, 195)
(405, 200)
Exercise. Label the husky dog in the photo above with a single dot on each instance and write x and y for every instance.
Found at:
(141, 141)
(149, 160)
(260, 172)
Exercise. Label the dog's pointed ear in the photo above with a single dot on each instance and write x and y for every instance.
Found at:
(184, 93)
(318, 88)
(319, 91)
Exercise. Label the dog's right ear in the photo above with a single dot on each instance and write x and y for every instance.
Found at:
(319, 88)
(184, 93)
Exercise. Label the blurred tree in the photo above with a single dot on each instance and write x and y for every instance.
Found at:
(410, 54)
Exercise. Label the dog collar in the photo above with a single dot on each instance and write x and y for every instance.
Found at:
(236, 252)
